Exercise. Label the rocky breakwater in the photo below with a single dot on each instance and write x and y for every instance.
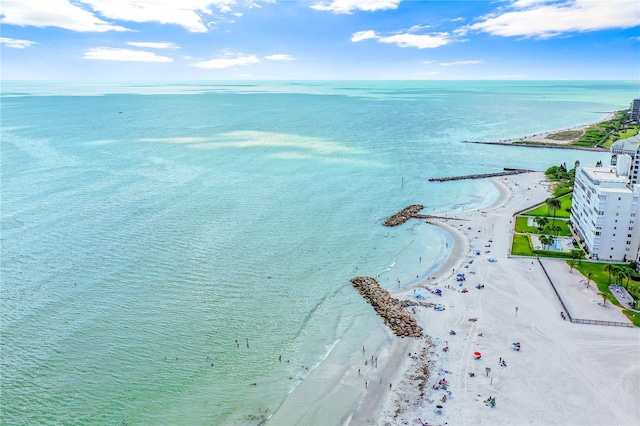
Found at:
(403, 215)
(391, 310)
(412, 212)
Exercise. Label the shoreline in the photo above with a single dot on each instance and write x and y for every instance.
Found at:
(558, 359)
(347, 391)
(539, 140)
(335, 392)
(552, 344)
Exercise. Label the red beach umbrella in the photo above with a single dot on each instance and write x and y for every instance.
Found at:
(477, 354)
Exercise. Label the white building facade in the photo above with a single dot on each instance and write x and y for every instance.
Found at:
(628, 147)
(605, 213)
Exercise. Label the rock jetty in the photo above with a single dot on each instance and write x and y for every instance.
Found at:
(412, 212)
(505, 172)
(403, 215)
(390, 309)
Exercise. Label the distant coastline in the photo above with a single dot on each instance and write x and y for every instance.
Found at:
(540, 145)
(540, 140)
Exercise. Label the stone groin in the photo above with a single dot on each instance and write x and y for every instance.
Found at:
(390, 309)
(403, 215)
(412, 212)
(505, 172)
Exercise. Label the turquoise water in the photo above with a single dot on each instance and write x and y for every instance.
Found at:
(147, 226)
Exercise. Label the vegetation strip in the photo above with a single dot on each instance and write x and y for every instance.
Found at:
(534, 144)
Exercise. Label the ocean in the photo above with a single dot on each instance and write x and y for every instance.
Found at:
(180, 252)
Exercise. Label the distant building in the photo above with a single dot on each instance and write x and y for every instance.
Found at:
(635, 110)
(605, 212)
(631, 148)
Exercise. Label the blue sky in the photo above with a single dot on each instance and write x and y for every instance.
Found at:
(320, 39)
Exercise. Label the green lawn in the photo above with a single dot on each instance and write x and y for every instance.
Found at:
(521, 245)
(631, 131)
(521, 227)
(562, 213)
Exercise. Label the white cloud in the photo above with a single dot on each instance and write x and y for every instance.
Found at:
(280, 57)
(154, 44)
(16, 43)
(82, 15)
(472, 62)
(123, 55)
(363, 35)
(347, 6)
(545, 18)
(227, 62)
(53, 13)
(421, 41)
(186, 13)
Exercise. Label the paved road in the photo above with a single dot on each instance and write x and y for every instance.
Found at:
(622, 295)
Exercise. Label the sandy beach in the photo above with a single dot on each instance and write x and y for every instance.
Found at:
(542, 137)
(562, 374)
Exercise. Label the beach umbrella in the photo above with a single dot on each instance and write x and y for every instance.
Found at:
(477, 355)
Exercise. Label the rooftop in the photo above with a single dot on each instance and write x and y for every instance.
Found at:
(628, 144)
(605, 174)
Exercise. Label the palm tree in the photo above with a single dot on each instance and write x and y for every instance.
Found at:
(541, 221)
(546, 241)
(589, 276)
(604, 298)
(575, 254)
(554, 204)
(608, 267)
(628, 272)
(615, 271)
(556, 230)
(622, 274)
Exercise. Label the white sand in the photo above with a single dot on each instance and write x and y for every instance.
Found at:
(542, 137)
(565, 374)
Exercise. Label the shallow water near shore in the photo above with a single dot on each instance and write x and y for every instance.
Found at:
(164, 244)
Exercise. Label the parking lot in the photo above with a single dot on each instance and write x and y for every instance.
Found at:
(622, 295)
